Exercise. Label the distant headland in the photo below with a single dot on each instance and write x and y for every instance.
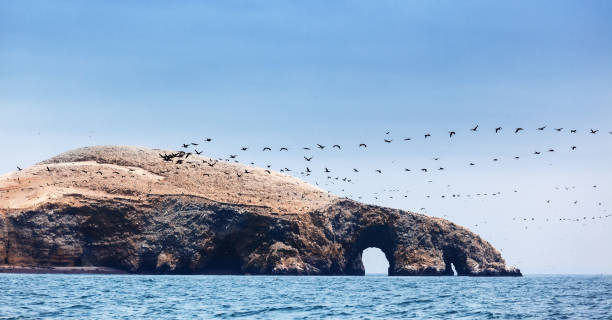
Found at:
(114, 209)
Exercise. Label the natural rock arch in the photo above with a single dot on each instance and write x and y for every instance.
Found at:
(124, 207)
(378, 236)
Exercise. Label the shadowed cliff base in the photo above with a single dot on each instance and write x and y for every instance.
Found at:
(127, 209)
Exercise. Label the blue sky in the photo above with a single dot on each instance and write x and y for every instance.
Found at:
(257, 73)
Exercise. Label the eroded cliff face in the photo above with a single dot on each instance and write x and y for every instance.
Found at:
(123, 207)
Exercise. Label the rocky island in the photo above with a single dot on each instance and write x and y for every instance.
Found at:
(125, 208)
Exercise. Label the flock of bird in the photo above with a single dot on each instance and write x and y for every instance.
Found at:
(180, 157)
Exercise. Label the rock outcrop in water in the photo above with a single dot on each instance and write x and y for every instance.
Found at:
(125, 208)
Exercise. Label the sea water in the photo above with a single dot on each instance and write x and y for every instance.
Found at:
(286, 297)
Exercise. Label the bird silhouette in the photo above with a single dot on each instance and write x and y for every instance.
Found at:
(573, 131)
(19, 169)
(551, 150)
(48, 169)
(336, 146)
(320, 146)
(406, 169)
(377, 170)
(185, 145)
(517, 130)
(208, 139)
(387, 132)
(573, 147)
(497, 129)
(474, 129)
(558, 129)
(427, 135)
(305, 148)
(594, 131)
(388, 141)
(363, 145)
(198, 152)
(284, 148)
(266, 149)
(355, 170)
(194, 144)
(536, 152)
(407, 139)
(233, 156)
(246, 171)
(424, 170)
(308, 170)
(307, 159)
(541, 128)
(244, 148)
(471, 164)
(327, 170)
(451, 134)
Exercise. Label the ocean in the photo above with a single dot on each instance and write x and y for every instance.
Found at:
(56, 296)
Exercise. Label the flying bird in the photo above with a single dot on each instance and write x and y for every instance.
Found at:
(377, 170)
(185, 145)
(244, 148)
(19, 169)
(284, 148)
(517, 130)
(197, 152)
(266, 148)
(407, 139)
(363, 145)
(573, 147)
(208, 139)
(573, 131)
(320, 146)
(451, 134)
(427, 135)
(307, 159)
(388, 141)
(474, 129)
(497, 129)
(336, 146)
(355, 170)
(424, 170)
(541, 128)
(327, 170)
(594, 131)
(558, 129)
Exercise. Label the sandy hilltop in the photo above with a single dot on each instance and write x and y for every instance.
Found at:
(125, 208)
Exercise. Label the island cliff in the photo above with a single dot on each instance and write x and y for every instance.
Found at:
(126, 208)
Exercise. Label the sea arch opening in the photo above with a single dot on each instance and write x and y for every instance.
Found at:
(374, 261)
(378, 239)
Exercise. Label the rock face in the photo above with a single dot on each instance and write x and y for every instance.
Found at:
(125, 208)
